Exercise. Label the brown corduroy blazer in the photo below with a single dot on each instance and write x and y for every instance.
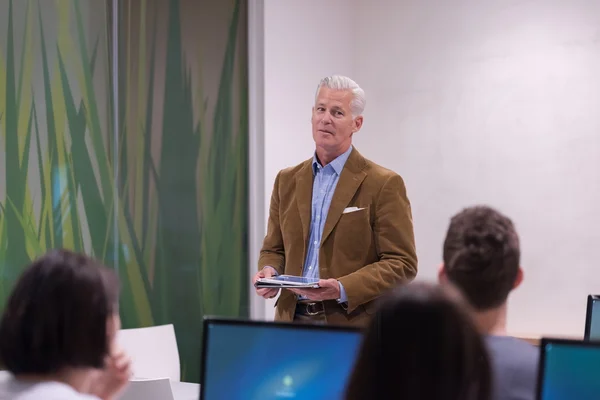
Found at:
(369, 251)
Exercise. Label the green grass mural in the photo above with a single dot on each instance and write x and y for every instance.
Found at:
(164, 198)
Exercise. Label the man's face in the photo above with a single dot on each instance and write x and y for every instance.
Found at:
(332, 122)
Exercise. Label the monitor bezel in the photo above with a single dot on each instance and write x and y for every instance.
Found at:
(588, 315)
(212, 320)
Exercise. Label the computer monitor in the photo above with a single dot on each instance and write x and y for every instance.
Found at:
(271, 360)
(592, 318)
(569, 369)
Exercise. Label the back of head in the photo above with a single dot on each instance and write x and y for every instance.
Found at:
(481, 256)
(56, 316)
(421, 344)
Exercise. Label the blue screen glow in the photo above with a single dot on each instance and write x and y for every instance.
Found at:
(571, 372)
(270, 362)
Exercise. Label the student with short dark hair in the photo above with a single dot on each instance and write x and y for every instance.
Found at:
(482, 259)
(57, 333)
(421, 344)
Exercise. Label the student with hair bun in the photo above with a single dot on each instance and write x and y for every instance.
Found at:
(482, 259)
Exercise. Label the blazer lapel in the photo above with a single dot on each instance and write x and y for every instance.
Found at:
(304, 184)
(352, 176)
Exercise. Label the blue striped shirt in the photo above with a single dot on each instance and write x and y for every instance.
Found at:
(325, 181)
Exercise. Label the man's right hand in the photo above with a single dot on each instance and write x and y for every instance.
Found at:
(266, 272)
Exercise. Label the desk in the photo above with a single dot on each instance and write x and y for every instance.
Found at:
(181, 390)
(536, 339)
(185, 390)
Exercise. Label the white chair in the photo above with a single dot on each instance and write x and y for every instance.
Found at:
(148, 389)
(153, 351)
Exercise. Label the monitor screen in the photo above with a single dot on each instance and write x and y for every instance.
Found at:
(592, 325)
(260, 360)
(569, 370)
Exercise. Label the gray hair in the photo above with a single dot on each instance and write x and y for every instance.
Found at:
(339, 82)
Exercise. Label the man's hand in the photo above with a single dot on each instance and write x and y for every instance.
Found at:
(329, 290)
(266, 272)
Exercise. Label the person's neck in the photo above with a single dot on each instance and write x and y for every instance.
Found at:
(325, 157)
(492, 321)
(79, 379)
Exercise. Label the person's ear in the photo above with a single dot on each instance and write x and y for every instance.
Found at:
(519, 278)
(442, 277)
(357, 124)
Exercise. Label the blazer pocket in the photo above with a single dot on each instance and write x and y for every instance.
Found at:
(349, 210)
(362, 213)
(371, 307)
(355, 222)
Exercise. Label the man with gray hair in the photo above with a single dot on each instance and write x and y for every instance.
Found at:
(337, 217)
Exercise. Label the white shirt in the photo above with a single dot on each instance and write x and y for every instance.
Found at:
(12, 389)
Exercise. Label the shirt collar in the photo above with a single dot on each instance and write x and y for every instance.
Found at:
(337, 164)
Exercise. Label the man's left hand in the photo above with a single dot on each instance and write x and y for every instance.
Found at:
(329, 290)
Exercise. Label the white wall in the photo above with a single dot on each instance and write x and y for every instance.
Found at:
(472, 102)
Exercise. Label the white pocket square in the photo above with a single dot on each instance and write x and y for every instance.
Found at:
(352, 209)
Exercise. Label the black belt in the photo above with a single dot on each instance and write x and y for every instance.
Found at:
(312, 308)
